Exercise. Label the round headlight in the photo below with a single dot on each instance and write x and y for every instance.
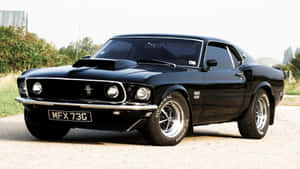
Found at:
(37, 88)
(22, 88)
(113, 92)
(143, 94)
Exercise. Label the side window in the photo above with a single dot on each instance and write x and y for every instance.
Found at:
(220, 53)
(235, 56)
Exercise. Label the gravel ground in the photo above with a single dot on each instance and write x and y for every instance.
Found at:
(213, 146)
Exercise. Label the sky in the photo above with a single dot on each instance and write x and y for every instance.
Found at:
(264, 28)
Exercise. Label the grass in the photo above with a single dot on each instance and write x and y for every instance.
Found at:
(290, 101)
(292, 88)
(8, 93)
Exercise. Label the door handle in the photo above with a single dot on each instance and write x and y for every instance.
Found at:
(239, 74)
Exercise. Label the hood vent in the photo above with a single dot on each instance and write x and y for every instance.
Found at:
(106, 64)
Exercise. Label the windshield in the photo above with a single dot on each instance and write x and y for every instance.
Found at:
(179, 52)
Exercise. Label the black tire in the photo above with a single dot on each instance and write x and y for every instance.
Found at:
(247, 125)
(43, 132)
(161, 137)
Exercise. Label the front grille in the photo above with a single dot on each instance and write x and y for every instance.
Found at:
(75, 90)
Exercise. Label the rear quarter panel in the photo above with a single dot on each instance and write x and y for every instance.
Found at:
(258, 76)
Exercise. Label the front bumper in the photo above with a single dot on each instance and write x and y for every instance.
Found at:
(129, 117)
(134, 107)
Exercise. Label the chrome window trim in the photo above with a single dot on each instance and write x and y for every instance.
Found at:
(230, 55)
(164, 37)
(241, 61)
(89, 80)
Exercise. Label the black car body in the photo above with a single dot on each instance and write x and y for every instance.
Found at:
(131, 81)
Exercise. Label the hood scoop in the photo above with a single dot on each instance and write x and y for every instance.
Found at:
(106, 64)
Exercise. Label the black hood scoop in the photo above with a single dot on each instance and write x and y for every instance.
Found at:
(106, 64)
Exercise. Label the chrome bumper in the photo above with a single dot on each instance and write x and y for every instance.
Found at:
(90, 106)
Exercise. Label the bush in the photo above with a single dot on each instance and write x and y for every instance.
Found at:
(21, 50)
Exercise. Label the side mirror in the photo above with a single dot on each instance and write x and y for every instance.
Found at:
(211, 63)
(86, 57)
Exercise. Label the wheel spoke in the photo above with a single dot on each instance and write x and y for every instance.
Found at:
(170, 113)
(168, 125)
(163, 121)
(165, 113)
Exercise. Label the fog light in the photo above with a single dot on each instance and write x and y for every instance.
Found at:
(37, 88)
(113, 92)
(148, 114)
(116, 112)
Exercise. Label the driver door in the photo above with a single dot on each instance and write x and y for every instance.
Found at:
(225, 84)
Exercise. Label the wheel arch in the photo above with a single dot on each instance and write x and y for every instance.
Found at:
(268, 88)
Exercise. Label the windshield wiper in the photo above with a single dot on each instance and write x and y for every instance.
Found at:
(157, 61)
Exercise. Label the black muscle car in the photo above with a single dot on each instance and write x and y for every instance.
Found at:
(161, 85)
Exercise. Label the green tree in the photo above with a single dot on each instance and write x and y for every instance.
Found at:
(295, 64)
(21, 50)
(76, 50)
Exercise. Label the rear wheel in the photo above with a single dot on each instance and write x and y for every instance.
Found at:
(41, 131)
(169, 124)
(255, 123)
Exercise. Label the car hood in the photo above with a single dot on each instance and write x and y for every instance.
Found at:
(139, 73)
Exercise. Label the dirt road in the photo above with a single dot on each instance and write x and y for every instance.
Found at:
(213, 146)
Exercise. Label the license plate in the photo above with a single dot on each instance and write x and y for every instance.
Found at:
(74, 116)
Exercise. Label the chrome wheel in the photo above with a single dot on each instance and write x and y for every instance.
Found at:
(255, 122)
(261, 111)
(171, 119)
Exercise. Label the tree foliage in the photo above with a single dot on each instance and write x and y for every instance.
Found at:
(295, 64)
(21, 50)
(80, 48)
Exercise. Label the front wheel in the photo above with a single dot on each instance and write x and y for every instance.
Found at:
(255, 123)
(169, 124)
(41, 131)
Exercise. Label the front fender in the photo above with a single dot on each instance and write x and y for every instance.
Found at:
(179, 88)
(162, 92)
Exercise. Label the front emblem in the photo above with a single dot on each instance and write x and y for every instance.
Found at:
(88, 90)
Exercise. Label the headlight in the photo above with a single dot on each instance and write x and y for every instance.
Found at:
(143, 94)
(22, 88)
(113, 92)
(37, 88)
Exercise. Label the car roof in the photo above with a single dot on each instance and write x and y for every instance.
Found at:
(173, 36)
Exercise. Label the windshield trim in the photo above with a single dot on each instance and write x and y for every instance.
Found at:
(164, 37)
